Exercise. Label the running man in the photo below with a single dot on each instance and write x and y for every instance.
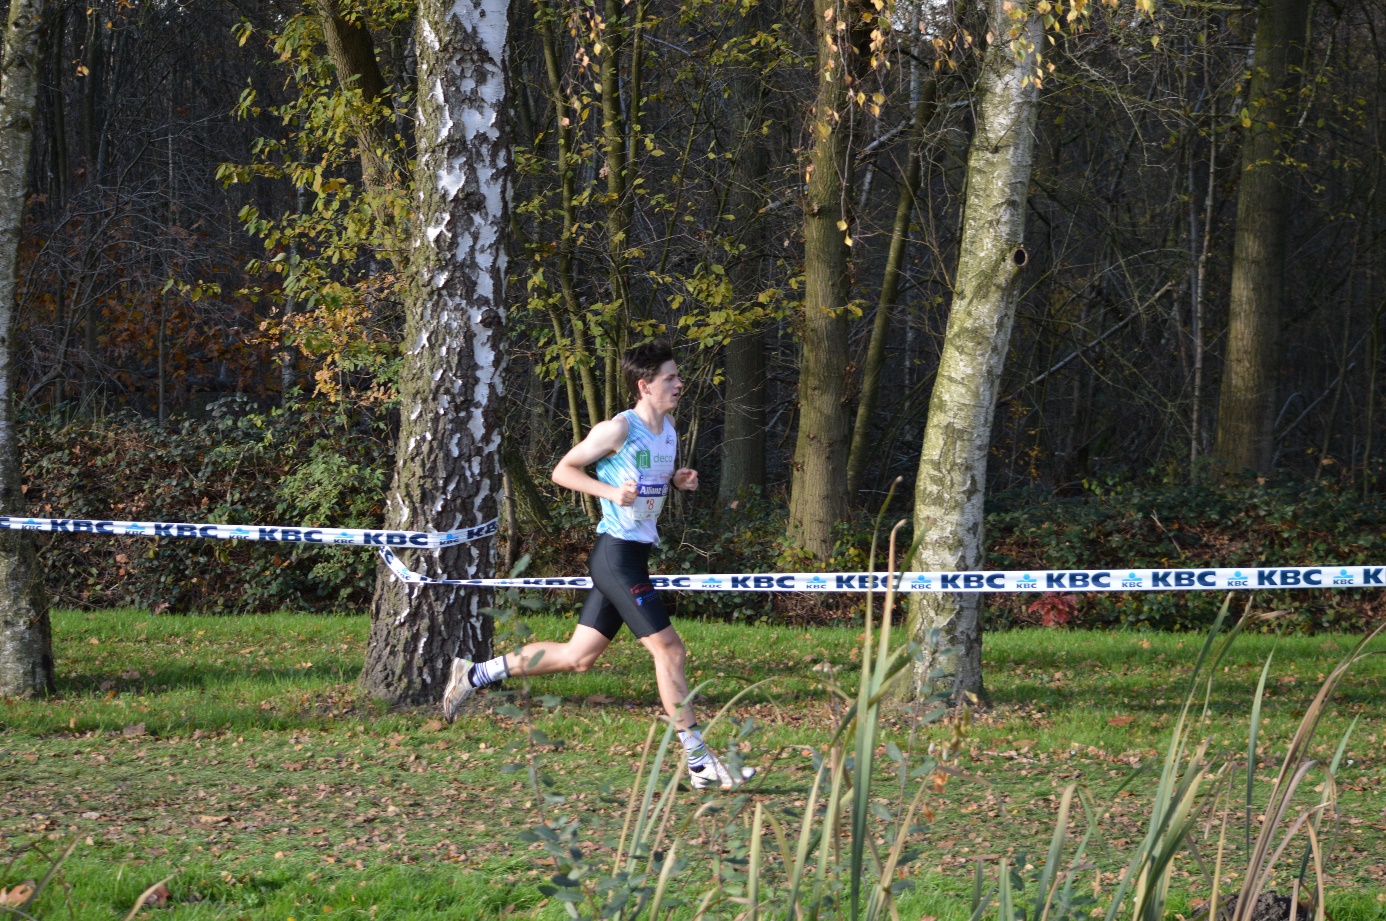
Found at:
(634, 454)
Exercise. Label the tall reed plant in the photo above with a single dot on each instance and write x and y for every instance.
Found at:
(1196, 789)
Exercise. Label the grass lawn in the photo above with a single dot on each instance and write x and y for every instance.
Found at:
(237, 752)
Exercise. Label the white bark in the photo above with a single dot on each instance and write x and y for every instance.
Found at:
(26, 640)
(951, 484)
(447, 468)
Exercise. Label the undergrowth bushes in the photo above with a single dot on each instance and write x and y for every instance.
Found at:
(309, 466)
(298, 467)
(1133, 525)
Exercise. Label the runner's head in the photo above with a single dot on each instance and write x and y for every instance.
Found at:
(651, 364)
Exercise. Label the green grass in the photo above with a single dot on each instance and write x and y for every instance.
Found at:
(242, 756)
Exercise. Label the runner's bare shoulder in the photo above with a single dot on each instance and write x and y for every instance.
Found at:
(609, 435)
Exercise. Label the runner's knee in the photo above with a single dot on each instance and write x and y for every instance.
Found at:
(671, 653)
(580, 660)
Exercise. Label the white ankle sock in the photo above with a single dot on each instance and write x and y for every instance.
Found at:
(694, 746)
(488, 672)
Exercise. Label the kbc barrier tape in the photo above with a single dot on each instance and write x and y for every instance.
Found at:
(278, 533)
(1038, 580)
(1035, 580)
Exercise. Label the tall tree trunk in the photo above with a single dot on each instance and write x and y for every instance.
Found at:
(862, 448)
(448, 461)
(56, 104)
(951, 484)
(618, 199)
(288, 354)
(1246, 406)
(743, 427)
(171, 221)
(743, 435)
(567, 276)
(818, 498)
(1196, 444)
(92, 71)
(353, 55)
(26, 637)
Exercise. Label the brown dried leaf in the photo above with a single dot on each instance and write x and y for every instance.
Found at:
(159, 897)
(1121, 720)
(433, 726)
(18, 895)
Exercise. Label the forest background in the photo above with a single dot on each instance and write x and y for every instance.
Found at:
(212, 275)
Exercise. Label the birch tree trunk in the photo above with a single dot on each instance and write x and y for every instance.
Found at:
(951, 484)
(1247, 404)
(26, 637)
(447, 469)
(818, 497)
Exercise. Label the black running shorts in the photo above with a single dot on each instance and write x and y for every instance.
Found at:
(623, 594)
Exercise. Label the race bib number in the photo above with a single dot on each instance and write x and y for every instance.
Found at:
(649, 500)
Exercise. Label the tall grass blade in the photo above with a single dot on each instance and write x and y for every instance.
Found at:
(753, 868)
(1169, 788)
(882, 894)
(1251, 744)
(1051, 861)
(634, 790)
(977, 881)
(1284, 787)
(1006, 898)
(796, 873)
(642, 817)
(663, 885)
(1329, 795)
(829, 832)
(1217, 866)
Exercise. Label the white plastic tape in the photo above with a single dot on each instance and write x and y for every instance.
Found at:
(1035, 580)
(279, 533)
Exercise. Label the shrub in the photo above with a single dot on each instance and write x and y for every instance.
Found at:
(1281, 523)
(294, 467)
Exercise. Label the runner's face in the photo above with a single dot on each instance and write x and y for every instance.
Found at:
(662, 393)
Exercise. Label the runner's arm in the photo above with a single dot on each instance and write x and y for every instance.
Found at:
(604, 440)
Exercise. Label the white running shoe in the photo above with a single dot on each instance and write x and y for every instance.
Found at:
(713, 773)
(458, 690)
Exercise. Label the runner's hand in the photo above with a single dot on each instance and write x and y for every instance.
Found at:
(625, 494)
(686, 479)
